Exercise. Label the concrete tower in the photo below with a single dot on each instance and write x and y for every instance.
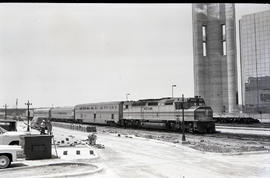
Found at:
(214, 51)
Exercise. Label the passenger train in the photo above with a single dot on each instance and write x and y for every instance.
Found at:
(163, 113)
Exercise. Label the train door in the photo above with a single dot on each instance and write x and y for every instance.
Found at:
(95, 116)
(120, 110)
(142, 112)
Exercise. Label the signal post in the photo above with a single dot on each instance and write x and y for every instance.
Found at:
(28, 115)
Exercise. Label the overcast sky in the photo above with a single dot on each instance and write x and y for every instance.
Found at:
(67, 54)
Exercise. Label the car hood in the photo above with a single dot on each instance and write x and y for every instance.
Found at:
(10, 147)
(15, 133)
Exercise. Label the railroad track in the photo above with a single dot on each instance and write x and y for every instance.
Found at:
(241, 133)
(244, 130)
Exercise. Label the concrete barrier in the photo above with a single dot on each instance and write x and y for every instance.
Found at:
(71, 126)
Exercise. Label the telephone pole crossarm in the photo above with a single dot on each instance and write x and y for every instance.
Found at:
(5, 106)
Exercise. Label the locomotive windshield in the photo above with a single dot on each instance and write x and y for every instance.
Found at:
(196, 101)
(203, 114)
(180, 105)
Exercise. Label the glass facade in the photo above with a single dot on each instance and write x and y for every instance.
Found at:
(255, 61)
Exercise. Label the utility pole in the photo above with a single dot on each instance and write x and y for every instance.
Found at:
(172, 89)
(5, 110)
(16, 108)
(127, 96)
(28, 114)
(183, 121)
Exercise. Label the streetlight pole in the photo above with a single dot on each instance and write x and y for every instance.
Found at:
(172, 89)
(5, 110)
(28, 114)
(127, 96)
(16, 108)
(183, 121)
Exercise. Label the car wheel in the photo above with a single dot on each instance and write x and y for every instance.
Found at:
(4, 161)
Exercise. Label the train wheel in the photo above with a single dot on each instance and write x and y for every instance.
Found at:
(138, 124)
(175, 126)
(169, 125)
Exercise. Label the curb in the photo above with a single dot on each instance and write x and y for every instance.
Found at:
(98, 169)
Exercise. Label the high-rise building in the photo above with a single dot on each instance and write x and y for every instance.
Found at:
(214, 52)
(255, 61)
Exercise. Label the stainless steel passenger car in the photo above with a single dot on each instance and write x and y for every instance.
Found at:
(63, 114)
(42, 112)
(99, 113)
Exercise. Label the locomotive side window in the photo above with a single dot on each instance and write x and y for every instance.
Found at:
(139, 103)
(178, 105)
(153, 104)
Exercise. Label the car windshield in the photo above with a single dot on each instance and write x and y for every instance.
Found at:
(2, 130)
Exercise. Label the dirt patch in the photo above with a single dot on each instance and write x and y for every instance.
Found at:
(224, 148)
(217, 143)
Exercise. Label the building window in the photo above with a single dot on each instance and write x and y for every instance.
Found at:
(95, 116)
(204, 48)
(224, 48)
(126, 106)
(204, 39)
(204, 33)
(223, 37)
(112, 116)
(223, 32)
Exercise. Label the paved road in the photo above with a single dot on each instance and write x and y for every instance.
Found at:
(139, 157)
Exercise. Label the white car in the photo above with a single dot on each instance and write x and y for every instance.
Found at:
(8, 154)
(11, 137)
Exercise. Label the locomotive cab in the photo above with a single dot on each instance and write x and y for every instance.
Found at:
(204, 122)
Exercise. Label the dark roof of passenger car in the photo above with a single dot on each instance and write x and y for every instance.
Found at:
(100, 103)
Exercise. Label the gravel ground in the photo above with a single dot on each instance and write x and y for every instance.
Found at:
(218, 143)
